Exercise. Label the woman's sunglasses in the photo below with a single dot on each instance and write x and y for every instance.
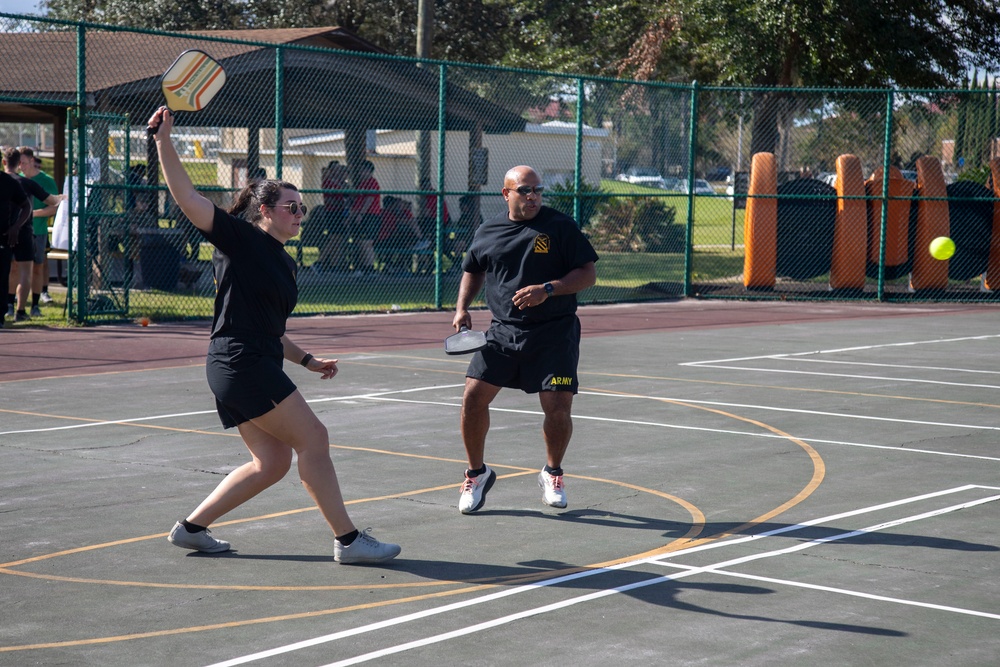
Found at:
(294, 207)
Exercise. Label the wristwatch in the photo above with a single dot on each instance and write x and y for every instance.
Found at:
(549, 289)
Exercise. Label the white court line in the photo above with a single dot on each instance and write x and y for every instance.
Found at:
(845, 375)
(723, 364)
(580, 575)
(842, 349)
(658, 580)
(719, 431)
(919, 368)
(147, 418)
(799, 411)
(845, 591)
(107, 423)
(387, 396)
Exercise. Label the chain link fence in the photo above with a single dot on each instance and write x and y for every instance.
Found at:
(684, 190)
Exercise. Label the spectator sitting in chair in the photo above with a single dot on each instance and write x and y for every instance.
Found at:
(399, 233)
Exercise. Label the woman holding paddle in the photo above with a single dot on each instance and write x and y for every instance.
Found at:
(256, 292)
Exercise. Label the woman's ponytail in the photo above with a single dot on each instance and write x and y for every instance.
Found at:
(267, 192)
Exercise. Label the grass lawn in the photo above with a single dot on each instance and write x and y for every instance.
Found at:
(621, 276)
(713, 216)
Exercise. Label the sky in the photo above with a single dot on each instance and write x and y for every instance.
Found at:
(20, 6)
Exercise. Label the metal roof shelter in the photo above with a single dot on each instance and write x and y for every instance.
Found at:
(321, 90)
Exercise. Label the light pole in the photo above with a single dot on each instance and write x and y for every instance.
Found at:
(425, 34)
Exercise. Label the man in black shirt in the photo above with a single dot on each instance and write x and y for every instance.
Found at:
(533, 260)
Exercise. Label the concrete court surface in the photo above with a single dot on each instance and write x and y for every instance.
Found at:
(749, 484)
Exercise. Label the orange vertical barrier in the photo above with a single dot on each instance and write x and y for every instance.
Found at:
(847, 264)
(760, 229)
(993, 265)
(932, 221)
(897, 223)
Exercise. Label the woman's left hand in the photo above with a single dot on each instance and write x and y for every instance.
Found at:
(328, 367)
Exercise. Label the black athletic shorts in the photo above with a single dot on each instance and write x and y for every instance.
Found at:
(246, 377)
(24, 251)
(532, 358)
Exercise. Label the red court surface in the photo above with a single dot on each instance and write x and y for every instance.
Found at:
(34, 353)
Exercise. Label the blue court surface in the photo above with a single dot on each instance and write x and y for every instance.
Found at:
(749, 484)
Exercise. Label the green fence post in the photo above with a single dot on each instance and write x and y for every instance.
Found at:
(884, 220)
(71, 262)
(81, 175)
(578, 167)
(439, 231)
(692, 152)
(279, 109)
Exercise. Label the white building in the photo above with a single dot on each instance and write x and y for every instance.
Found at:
(550, 148)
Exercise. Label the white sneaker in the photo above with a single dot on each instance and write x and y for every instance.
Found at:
(553, 492)
(200, 541)
(474, 491)
(44, 297)
(365, 549)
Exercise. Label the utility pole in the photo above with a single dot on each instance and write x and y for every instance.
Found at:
(425, 35)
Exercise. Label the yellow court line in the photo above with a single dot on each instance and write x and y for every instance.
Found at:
(238, 624)
(65, 377)
(698, 522)
(819, 466)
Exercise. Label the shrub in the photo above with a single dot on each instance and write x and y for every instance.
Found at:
(560, 197)
(637, 224)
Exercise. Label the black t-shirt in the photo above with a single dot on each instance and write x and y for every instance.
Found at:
(254, 277)
(530, 252)
(32, 188)
(12, 198)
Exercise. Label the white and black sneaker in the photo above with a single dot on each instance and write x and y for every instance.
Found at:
(364, 549)
(474, 490)
(200, 541)
(553, 491)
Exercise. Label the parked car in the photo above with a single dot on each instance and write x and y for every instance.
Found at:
(642, 176)
(701, 187)
(718, 173)
(671, 183)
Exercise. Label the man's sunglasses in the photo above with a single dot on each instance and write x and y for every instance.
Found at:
(294, 207)
(527, 190)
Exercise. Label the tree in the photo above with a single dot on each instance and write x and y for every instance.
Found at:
(465, 30)
(785, 43)
(177, 15)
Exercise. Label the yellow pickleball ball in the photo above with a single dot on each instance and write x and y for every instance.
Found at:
(942, 248)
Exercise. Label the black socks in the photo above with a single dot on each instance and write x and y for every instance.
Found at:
(555, 472)
(349, 538)
(476, 473)
(192, 527)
